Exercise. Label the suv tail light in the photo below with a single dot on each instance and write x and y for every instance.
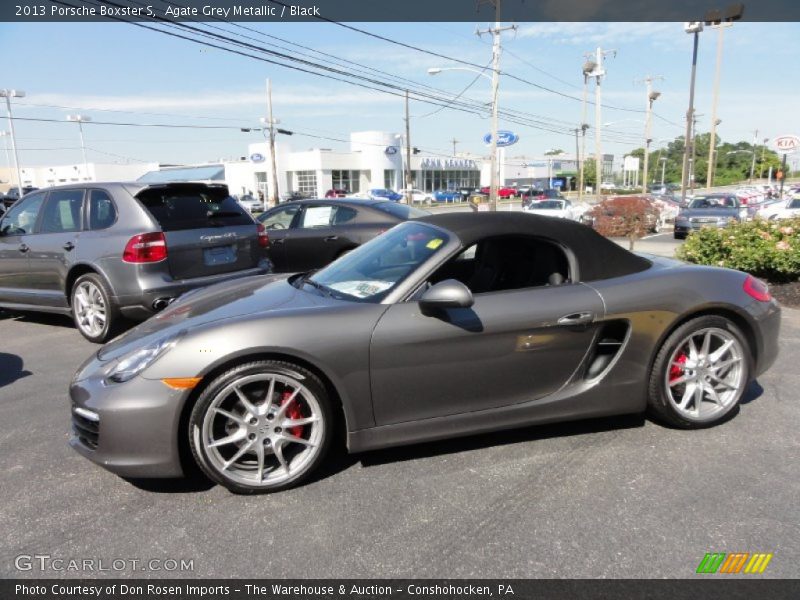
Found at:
(755, 288)
(263, 238)
(145, 248)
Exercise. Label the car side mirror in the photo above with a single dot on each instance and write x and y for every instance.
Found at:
(449, 293)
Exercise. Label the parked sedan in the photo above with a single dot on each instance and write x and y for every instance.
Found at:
(336, 193)
(309, 234)
(782, 210)
(712, 210)
(251, 204)
(502, 192)
(444, 326)
(447, 196)
(104, 251)
(561, 209)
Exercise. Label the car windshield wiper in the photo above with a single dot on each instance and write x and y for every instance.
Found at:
(318, 286)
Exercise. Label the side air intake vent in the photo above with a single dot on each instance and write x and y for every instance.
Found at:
(607, 345)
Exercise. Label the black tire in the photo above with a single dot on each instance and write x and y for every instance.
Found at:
(113, 319)
(679, 236)
(658, 402)
(259, 368)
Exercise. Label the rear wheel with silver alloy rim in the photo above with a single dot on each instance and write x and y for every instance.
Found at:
(261, 427)
(700, 373)
(93, 310)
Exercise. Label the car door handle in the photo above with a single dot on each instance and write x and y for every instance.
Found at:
(331, 238)
(69, 246)
(23, 248)
(275, 242)
(579, 318)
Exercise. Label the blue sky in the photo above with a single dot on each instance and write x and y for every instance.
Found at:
(119, 67)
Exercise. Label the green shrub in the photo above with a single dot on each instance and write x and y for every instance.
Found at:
(767, 249)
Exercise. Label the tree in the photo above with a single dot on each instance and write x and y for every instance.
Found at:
(554, 152)
(625, 216)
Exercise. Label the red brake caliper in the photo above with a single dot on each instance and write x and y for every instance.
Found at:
(675, 371)
(293, 412)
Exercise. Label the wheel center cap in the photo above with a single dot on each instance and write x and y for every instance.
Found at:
(264, 429)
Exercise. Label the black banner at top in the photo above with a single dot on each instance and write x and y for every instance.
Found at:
(393, 10)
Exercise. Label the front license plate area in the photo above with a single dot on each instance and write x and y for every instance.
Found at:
(219, 255)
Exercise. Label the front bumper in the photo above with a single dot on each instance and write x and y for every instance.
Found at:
(131, 428)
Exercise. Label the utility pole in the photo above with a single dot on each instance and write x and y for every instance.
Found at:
(495, 32)
(598, 73)
(577, 156)
(8, 94)
(651, 97)
(588, 67)
(273, 201)
(407, 192)
(454, 141)
(753, 164)
(695, 28)
(693, 159)
(763, 154)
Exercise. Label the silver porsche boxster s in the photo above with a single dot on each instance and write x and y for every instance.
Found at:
(444, 326)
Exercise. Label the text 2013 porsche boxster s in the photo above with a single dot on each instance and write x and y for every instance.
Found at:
(445, 326)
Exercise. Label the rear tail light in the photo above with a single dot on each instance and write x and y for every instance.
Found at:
(263, 238)
(145, 248)
(755, 288)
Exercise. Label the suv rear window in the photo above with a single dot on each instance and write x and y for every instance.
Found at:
(177, 207)
(401, 211)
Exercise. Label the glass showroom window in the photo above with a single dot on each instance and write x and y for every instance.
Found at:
(346, 180)
(388, 179)
(307, 182)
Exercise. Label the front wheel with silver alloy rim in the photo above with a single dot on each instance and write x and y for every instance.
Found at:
(261, 427)
(700, 373)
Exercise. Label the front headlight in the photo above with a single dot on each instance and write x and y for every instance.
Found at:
(133, 363)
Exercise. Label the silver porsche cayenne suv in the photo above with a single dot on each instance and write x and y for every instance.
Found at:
(103, 252)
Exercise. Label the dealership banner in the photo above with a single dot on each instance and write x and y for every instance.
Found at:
(372, 10)
(406, 589)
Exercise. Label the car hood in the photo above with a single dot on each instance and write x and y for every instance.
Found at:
(245, 297)
(709, 212)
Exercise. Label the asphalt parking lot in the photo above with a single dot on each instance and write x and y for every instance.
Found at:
(614, 498)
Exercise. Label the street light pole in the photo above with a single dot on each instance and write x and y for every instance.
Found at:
(753, 164)
(80, 120)
(763, 154)
(651, 97)
(695, 28)
(8, 94)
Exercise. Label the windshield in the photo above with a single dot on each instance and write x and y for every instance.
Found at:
(713, 202)
(371, 271)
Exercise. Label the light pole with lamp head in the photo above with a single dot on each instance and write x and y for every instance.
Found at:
(80, 120)
(493, 134)
(8, 95)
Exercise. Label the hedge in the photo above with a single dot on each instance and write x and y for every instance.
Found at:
(767, 249)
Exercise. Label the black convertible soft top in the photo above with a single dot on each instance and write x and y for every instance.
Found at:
(597, 256)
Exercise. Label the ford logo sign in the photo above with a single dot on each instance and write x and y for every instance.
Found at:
(256, 157)
(391, 150)
(504, 138)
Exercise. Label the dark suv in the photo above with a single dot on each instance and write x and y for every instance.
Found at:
(103, 251)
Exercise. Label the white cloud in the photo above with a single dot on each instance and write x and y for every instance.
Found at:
(600, 33)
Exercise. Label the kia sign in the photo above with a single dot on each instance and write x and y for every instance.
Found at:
(504, 138)
(786, 144)
(256, 157)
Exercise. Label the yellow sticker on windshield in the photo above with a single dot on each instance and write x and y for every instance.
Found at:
(434, 243)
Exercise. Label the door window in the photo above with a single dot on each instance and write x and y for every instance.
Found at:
(507, 263)
(317, 216)
(102, 213)
(62, 212)
(21, 219)
(279, 219)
